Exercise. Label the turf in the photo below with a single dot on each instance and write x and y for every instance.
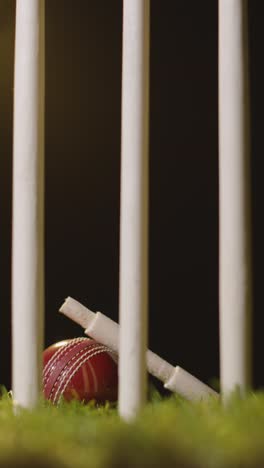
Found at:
(170, 432)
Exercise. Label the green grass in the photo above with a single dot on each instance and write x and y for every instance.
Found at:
(169, 433)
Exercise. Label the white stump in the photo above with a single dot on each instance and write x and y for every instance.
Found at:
(134, 208)
(234, 185)
(28, 212)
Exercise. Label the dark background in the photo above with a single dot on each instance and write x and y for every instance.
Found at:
(83, 89)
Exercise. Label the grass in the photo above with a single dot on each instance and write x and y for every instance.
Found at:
(170, 432)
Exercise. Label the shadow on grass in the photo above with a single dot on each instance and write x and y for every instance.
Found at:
(29, 461)
(138, 452)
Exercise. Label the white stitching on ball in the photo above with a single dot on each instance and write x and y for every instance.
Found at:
(90, 347)
(73, 369)
(52, 361)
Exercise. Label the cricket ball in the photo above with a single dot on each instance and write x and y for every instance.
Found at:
(81, 369)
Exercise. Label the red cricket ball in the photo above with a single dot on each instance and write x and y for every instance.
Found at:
(81, 369)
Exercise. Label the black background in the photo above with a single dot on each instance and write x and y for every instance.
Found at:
(83, 89)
